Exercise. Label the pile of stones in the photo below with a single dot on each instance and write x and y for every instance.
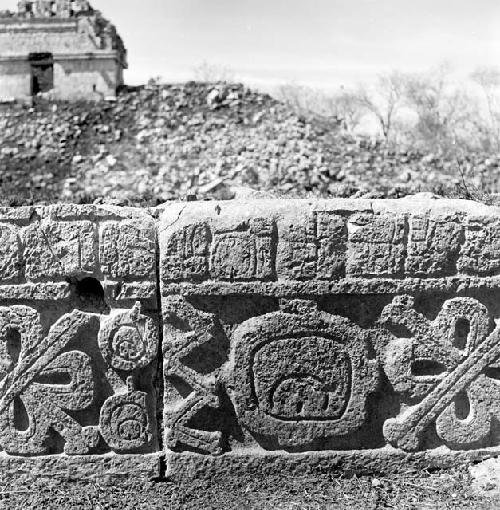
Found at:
(164, 142)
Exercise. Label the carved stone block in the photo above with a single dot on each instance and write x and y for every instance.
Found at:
(331, 240)
(341, 327)
(377, 245)
(480, 254)
(244, 251)
(54, 250)
(297, 247)
(433, 245)
(186, 254)
(127, 249)
(78, 334)
(10, 262)
(296, 333)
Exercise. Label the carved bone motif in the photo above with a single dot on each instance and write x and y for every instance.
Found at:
(462, 370)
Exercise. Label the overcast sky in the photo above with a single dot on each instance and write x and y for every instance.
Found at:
(322, 43)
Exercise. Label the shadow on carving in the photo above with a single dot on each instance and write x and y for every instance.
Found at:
(88, 295)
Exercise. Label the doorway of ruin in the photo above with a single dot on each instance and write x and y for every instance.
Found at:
(42, 72)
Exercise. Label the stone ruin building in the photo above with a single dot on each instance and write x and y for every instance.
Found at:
(64, 48)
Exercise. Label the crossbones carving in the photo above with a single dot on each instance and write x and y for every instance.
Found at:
(439, 362)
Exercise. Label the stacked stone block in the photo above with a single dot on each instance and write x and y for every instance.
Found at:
(273, 333)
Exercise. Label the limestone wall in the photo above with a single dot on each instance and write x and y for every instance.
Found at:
(200, 339)
(74, 78)
(15, 79)
(60, 42)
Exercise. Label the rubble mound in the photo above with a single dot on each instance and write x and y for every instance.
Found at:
(164, 142)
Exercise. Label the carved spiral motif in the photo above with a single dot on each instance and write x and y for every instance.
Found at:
(124, 422)
(129, 340)
(131, 422)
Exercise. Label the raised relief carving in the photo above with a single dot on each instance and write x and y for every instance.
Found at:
(332, 244)
(297, 248)
(301, 378)
(480, 253)
(377, 245)
(433, 245)
(128, 340)
(186, 329)
(186, 254)
(441, 371)
(124, 421)
(129, 343)
(10, 259)
(46, 382)
(29, 362)
(53, 250)
(127, 249)
(244, 252)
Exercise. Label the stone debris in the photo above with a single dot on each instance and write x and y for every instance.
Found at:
(162, 143)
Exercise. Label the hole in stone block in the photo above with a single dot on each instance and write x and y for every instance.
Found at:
(89, 288)
(89, 295)
(427, 367)
(21, 418)
(462, 330)
(462, 406)
(13, 341)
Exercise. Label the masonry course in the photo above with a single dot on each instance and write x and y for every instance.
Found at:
(205, 338)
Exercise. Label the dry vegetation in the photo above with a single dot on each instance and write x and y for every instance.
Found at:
(412, 491)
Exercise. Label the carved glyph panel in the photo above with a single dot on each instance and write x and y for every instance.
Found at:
(295, 326)
(78, 332)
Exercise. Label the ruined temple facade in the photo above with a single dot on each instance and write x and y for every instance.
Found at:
(63, 48)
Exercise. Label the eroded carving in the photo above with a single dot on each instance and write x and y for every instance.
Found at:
(301, 378)
(125, 423)
(129, 340)
(45, 404)
(244, 252)
(186, 329)
(377, 244)
(438, 368)
(44, 379)
(58, 249)
(127, 249)
(186, 253)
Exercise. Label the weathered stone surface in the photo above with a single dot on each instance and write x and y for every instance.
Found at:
(77, 353)
(296, 335)
(54, 250)
(347, 329)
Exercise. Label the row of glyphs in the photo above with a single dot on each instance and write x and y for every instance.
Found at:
(86, 382)
(329, 246)
(302, 379)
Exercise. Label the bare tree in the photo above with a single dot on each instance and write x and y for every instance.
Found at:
(443, 109)
(342, 105)
(348, 109)
(384, 100)
(212, 73)
(488, 79)
(299, 97)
